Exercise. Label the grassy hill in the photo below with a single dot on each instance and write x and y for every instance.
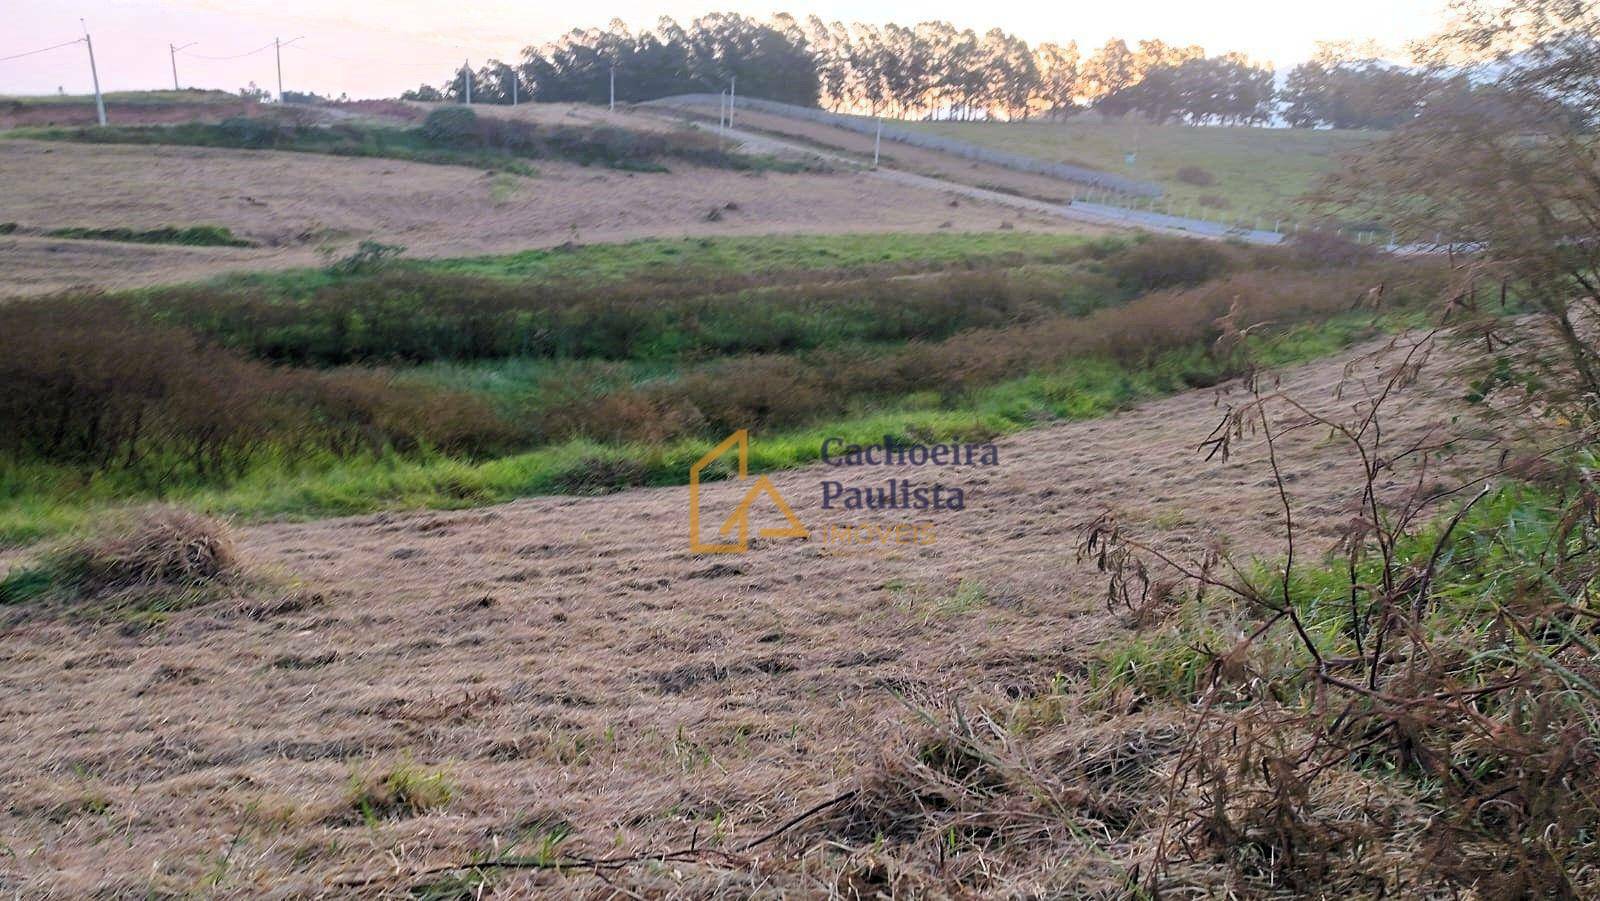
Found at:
(1253, 172)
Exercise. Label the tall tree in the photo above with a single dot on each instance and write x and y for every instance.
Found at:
(1112, 68)
(1057, 90)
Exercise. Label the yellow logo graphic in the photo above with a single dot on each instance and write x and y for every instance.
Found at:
(740, 517)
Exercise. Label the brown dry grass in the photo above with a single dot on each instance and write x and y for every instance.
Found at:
(304, 208)
(586, 685)
(158, 545)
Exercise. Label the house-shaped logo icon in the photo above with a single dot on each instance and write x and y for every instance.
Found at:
(738, 522)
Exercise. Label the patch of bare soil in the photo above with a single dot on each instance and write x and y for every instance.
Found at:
(306, 208)
(566, 665)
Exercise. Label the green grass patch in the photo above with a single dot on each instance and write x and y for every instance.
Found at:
(402, 791)
(1484, 562)
(767, 254)
(692, 260)
(193, 235)
(1246, 174)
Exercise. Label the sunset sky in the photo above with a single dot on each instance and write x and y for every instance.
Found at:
(370, 49)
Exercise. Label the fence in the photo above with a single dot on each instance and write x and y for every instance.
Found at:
(963, 149)
(1100, 195)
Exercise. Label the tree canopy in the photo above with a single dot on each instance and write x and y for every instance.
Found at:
(935, 70)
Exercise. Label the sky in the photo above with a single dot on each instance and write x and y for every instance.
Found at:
(377, 48)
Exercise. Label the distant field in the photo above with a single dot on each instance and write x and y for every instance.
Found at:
(122, 108)
(127, 97)
(306, 209)
(1256, 172)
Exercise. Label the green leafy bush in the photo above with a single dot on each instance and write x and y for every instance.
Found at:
(451, 126)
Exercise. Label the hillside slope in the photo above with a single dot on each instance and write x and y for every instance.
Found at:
(564, 665)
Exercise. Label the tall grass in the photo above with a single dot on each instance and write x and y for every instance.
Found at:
(246, 400)
(43, 499)
(90, 384)
(414, 316)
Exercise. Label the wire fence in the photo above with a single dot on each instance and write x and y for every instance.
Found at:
(1100, 194)
(1080, 174)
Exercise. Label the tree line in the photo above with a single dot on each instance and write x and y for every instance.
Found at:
(936, 70)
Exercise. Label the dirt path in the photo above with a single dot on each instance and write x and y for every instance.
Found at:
(565, 662)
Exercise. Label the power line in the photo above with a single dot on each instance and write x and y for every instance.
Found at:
(267, 46)
(42, 50)
(317, 51)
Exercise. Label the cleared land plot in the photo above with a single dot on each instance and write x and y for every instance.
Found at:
(1254, 172)
(898, 156)
(564, 666)
(305, 209)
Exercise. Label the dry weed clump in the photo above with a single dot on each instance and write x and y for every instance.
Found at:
(155, 550)
(1416, 713)
(158, 545)
(1014, 798)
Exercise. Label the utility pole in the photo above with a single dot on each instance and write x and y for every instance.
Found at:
(514, 81)
(277, 52)
(613, 107)
(877, 142)
(174, 52)
(466, 79)
(94, 74)
(722, 119)
(733, 82)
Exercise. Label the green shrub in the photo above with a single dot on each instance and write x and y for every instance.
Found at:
(247, 131)
(1157, 265)
(451, 126)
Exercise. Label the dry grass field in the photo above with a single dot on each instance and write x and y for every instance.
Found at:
(304, 209)
(356, 576)
(402, 693)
